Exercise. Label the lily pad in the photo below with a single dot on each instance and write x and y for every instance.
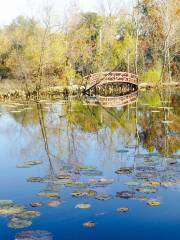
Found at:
(101, 182)
(125, 194)
(146, 175)
(122, 151)
(133, 183)
(104, 197)
(144, 199)
(28, 214)
(86, 193)
(35, 179)
(17, 223)
(34, 235)
(89, 224)
(55, 203)
(37, 204)
(90, 193)
(23, 165)
(10, 210)
(86, 168)
(29, 164)
(6, 203)
(49, 194)
(168, 183)
(92, 173)
(124, 170)
(147, 189)
(153, 203)
(34, 162)
(83, 206)
(152, 183)
(124, 209)
(63, 177)
(76, 184)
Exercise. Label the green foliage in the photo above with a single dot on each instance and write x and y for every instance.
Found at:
(152, 76)
(33, 52)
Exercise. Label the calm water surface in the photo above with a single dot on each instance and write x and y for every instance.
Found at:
(71, 136)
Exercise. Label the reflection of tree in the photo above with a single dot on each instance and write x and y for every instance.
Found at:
(66, 137)
(44, 135)
(155, 133)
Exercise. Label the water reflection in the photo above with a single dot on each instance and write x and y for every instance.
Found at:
(102, 150)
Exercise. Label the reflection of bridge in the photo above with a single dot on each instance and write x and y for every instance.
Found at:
(118, 101)
(99, 79)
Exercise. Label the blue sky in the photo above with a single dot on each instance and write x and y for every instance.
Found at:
(10, 9)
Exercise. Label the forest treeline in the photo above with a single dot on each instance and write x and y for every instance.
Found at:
(145, 41)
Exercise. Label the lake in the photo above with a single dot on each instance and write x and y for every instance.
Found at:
(88, 171)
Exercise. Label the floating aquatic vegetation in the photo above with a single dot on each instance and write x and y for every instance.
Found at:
(83, 206)
(152, 154)
(125, 194)
(76, 184)
(23, 165)
(55, 203)
(29, 164)
(34, 162)
(133, 183)
(147, 189)
(57, 181)
(92, 173)
(152, 183)
(6, 203)
(90, 193)
(35, 180)
(124, 170)
(146, 175)
(34, 235)
(63, 177)
(122, 151)
(89, 224)
(49, 194)
(17, 223)
(28, 214)
(86, 193)
(101, 182)
(153, 203)
(130, 146)
(37, 204)
(145, 199)
(104, 197)
(168, 183)
(86, 168)
(10, 210)
(124, 209)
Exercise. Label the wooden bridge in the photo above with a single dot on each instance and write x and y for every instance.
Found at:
(99, 79)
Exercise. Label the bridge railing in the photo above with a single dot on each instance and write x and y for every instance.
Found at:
(106, 77)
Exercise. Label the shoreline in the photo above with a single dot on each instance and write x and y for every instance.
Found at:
(65, 91)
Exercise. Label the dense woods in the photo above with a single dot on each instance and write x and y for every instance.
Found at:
(144, 41)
